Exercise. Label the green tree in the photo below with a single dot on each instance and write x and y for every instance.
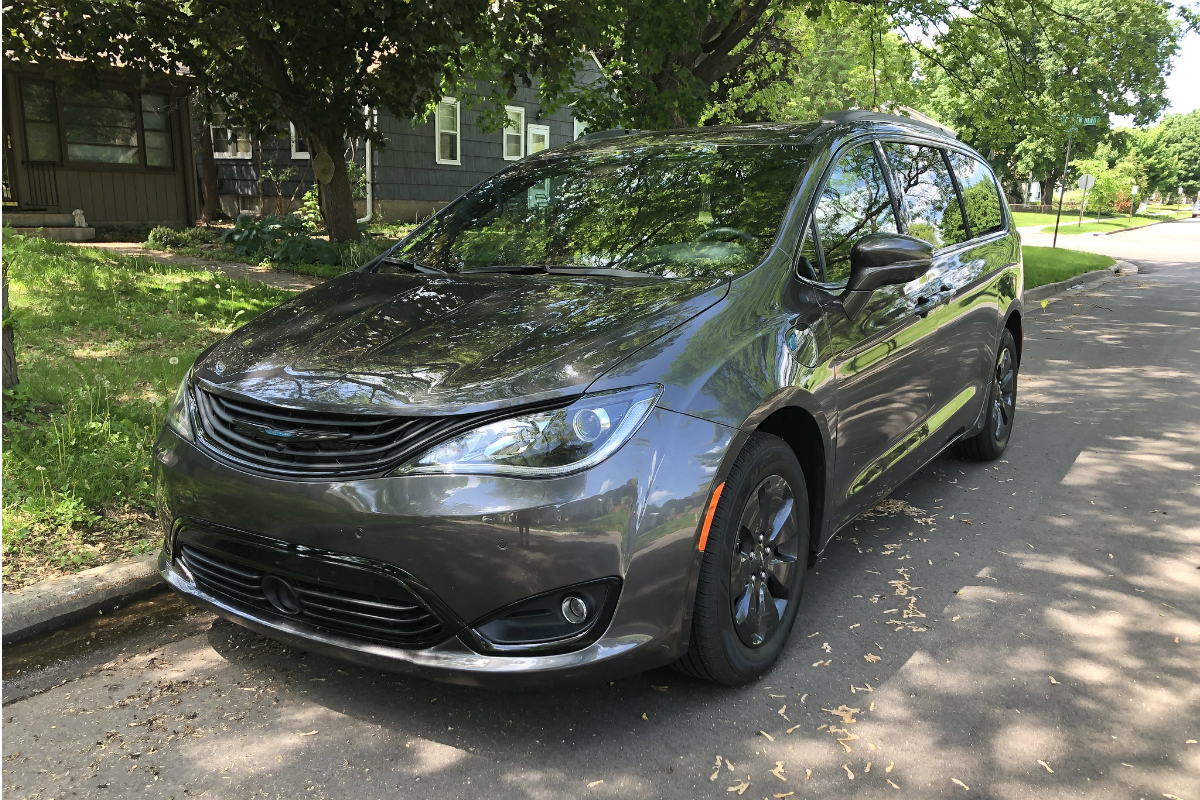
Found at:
(844, 57)
(1171, 151)
(317, 63)
(1014, 84)
(1115, 175)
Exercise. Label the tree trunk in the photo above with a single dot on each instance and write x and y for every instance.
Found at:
(211, 209)
(10, 348)
(341, 220)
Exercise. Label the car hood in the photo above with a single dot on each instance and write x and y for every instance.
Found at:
(369, 343)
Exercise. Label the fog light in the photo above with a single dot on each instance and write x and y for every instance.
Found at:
(574, 609)
(561, 620)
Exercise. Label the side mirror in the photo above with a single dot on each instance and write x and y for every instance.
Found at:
(883, 259)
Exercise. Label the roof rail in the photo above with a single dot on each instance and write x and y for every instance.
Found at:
(609, 134)
(904, 115)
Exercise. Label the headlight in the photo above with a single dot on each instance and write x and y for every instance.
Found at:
(178, 418)
(544, 444)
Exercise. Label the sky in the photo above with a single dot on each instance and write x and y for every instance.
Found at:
(1183, 84)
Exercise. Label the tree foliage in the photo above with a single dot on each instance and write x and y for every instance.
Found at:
(1171, 151)
(1014, 78)
(317, 63)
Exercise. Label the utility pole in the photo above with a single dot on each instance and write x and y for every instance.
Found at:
(1062, 189)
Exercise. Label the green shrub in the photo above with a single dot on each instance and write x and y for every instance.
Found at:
(164, 238)
(303, 249)
(247, 236)
(310, 209)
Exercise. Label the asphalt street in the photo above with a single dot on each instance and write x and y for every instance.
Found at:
(1023, 629)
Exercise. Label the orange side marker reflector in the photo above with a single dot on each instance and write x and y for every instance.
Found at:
(712, 509)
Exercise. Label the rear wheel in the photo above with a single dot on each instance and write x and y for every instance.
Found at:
(989, 443)
(753, 571)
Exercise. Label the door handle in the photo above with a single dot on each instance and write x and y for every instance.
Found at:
(926, 303)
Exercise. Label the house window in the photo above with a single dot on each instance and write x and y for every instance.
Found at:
(298, 150)
(101, 126)
(514, 133)
(41, 120)
(580, 128)
(447, 122)
(539, 138)
(156, 126)
(231, 143)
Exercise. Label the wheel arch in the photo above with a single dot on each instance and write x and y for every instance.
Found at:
(1013, 324)
(799, 428)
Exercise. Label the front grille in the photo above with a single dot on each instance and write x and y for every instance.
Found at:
(306, 443)
(398, 619)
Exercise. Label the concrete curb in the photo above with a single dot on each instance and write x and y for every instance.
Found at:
(51, 604)
(1094, 278)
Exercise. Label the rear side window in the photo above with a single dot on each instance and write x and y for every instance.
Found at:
(924, 180)
(979, 194)
(854, 203)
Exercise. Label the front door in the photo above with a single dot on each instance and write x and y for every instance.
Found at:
(885, 369)
(967, 308)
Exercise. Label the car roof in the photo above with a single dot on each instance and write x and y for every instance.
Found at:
(841, 122)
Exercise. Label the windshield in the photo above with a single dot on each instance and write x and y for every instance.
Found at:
(694, 211)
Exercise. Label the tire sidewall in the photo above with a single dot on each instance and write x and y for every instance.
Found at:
(775, 459)
(1006, 343)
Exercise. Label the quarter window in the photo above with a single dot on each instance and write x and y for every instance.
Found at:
(101, 126)
(929, 197)
(41, 120)
(157, 127)
(447, 121)
(854, 203)
(514, 133)
(979, 194)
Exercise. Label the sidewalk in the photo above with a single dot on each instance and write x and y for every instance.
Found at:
(238, 271)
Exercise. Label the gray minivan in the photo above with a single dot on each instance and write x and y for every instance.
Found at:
(600, 413)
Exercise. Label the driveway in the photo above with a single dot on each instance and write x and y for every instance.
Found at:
(1023, 629)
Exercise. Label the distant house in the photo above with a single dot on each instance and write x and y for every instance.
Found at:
(422, 166)
(121, 152)
(125, 153)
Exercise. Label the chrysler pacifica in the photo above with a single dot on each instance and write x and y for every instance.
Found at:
(601, 413)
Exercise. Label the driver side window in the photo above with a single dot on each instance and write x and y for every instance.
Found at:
(854, 203)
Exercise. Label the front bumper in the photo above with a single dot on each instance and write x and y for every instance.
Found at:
(475, 544)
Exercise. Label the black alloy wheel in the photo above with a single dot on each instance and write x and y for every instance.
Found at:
(754, 566)
(762, 572)
(989, 443)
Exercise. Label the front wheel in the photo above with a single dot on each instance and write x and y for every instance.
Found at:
(989, 443)
(754, 565)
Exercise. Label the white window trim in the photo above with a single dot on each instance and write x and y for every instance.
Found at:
(531, 130)
(579, 128)
(222, 154)
(505, 131)
(297, 153)
(437, 132)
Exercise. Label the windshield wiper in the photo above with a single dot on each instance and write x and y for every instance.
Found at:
(412, 266)
(547, 269)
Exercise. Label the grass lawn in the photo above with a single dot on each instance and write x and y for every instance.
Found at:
(1052, 264)
(1111, 224)
(102, 341)
(1027, 219)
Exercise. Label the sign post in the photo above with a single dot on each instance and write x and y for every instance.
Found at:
(1080, 122)
(1086, 181)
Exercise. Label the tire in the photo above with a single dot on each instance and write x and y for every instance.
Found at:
(735, 639)
(989, 443)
